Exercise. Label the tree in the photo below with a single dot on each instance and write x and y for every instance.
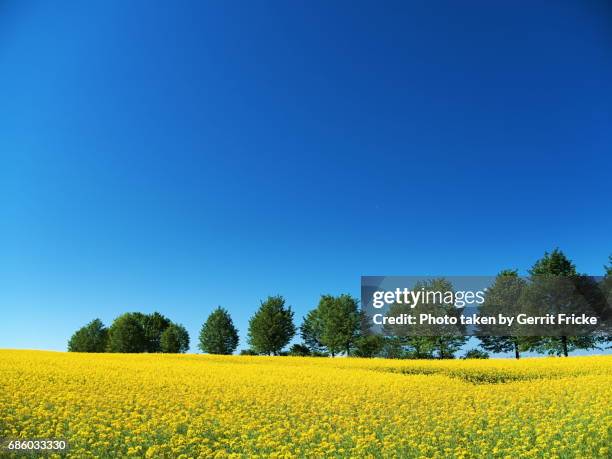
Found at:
(311, 330)
(154, 326)
(248, 352)
(476, 354)
(424, 341)
(218, 334)
(445, 340)
(419, 347)
(553, 264)
(393, 348)
(340, 322)
(448, 345)
(606, 289)
(174, 339)
(556, 286)
(502, 297)
(126, 334)
(271, 327)
(93, 337)
(369, 346)
(413, 346)
(299, 350)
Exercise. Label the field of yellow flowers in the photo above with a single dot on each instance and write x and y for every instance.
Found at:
(113, 405)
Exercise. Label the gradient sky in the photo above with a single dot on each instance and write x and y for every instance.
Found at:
(176, 156)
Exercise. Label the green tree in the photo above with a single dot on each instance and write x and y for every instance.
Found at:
(447, 340)
(606, 289)
(218, 334)
(413, 346)
(447, 345)
(503, 296)
(419, 347)
(299, 350)
(476, 354)
(369, 346)
(340, 322)
(424, 341)
(154, 326)
(311, 330)
(553, 264)
(174, 339)
(93, 337)
(271, 327)
(126, 334)
(248, 352)
(393, 348)
(556, 286)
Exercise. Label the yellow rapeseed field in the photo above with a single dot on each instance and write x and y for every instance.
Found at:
(112, 405)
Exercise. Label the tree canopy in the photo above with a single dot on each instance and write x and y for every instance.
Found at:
(174, 339)
(504, 295)
(126, 334)
(339, 320)
(555, 284)
(93, 337)
(218, 334)
(271, 327)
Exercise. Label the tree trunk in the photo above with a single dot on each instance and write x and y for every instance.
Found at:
(516, 351)
(564, 344)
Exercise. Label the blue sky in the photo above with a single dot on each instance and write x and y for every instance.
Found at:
(176, 156)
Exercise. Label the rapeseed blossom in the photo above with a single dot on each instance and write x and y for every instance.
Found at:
(183, 406)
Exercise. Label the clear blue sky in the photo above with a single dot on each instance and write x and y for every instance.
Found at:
(176, 156)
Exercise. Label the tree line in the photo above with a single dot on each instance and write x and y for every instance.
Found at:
(131, 332)
(336, 326)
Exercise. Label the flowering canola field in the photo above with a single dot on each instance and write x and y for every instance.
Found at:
(113, 405)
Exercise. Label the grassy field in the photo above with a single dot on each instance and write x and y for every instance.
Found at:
(111, 405)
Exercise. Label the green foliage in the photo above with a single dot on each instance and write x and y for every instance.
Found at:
(340, 322)
(447, 345)
(218, 334)
(448, 340)
(606, 289)
(311, 331)
(393, 349)
(337, 326)
(154, 326)
(504, 295)
(299, 350)
(174, 339)
(93, 337)
(499, 344)
(553, 264)
(561, 345)
(126, 334)
(369, 346)
(476, 354)
(271, 327)
(248, 352)
(556, 284)
(426, 341)
(419, 347)
(137, 332)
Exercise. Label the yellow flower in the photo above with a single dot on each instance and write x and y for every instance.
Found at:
(168, 406)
